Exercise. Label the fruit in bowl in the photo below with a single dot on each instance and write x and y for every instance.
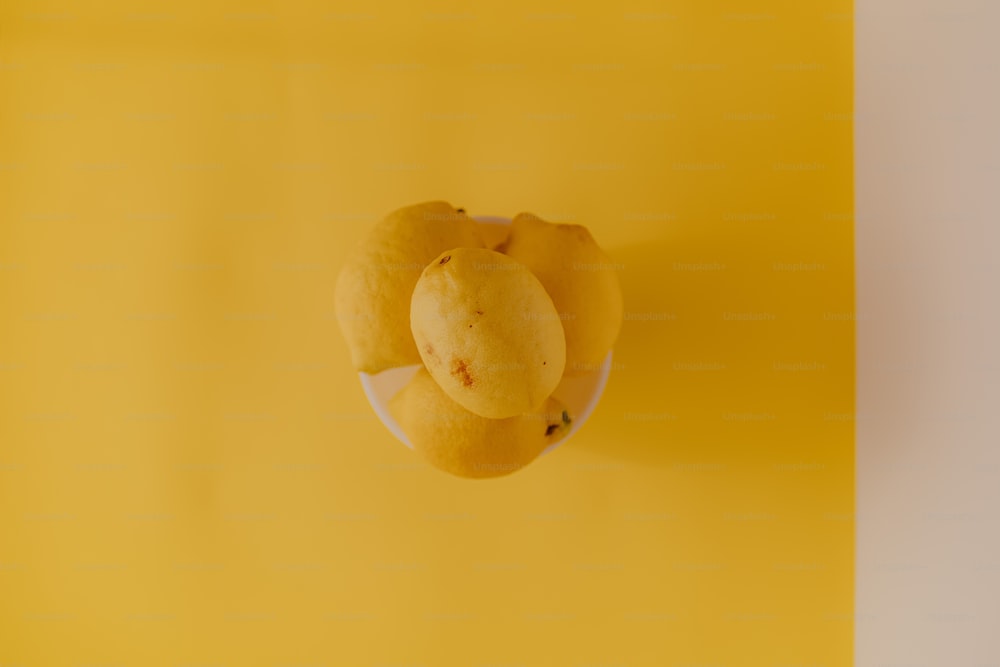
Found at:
(463, 443)
(480, 344)
(579, 277)
(487, 332)
(373, 290)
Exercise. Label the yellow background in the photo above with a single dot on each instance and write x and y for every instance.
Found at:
(189, 471)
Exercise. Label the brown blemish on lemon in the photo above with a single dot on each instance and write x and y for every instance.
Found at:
(566, 421)
(444, 260)
(460, 369)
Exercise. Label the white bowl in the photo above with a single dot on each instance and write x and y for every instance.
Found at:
(579, 392)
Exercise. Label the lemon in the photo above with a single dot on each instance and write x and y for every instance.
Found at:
(374, 287)
(581, 280)
(487, 332)
(451, 438)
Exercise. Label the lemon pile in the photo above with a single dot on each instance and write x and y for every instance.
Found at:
(494, 320)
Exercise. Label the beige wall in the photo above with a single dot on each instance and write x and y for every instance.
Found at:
(928, 266)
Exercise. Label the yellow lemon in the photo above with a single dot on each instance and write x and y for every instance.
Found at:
(373, 289)
(581, 280)
(462, 443)
(487, 332)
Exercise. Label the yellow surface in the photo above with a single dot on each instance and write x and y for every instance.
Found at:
(189, 471)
